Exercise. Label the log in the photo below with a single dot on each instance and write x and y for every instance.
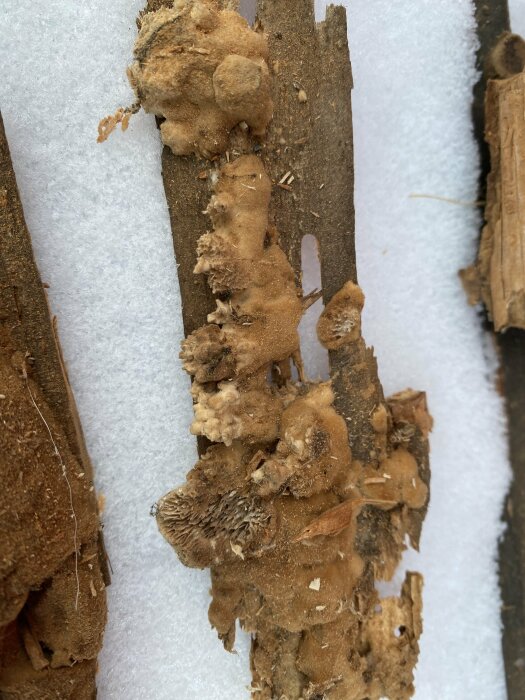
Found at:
(500, 54)
(308, 540)
(53, 569)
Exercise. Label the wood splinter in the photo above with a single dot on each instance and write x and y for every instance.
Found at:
(498, 276)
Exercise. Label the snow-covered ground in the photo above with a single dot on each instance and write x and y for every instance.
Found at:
(101, 235)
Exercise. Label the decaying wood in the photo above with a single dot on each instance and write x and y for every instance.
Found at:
(53, 569)
(302, 507)
(498, 276)
(501, 53)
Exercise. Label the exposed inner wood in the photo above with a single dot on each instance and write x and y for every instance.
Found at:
(53, 569)
(498, 276)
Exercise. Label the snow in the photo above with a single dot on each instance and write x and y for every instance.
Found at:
(517, 16)
(101, 236)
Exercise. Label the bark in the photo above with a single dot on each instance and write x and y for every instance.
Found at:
(500, 53)
(53, 569)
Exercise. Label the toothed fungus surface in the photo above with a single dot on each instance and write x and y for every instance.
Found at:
(203, 70)
(258, 324)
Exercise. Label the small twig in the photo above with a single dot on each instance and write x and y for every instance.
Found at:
(311, 298)
(449, 200)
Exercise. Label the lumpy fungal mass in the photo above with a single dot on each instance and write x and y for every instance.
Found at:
(203, 71)
(272, 507)
(294, 528)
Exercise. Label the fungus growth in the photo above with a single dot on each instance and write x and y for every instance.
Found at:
(294, 527)
(203, 70)
(276, 506)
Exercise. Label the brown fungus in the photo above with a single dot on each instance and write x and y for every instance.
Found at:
(340, 322)
(259, 324)
(203, 70)
(312, 453)
(214, 515)
(295, 525)
(280, 510)
(248, 410)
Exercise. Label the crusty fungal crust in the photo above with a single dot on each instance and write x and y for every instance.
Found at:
(312, 453)
(278, 510)
(257, 325)
(340, 322)
(204, 70)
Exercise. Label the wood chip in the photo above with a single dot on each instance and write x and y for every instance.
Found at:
(338, 518)
(237, 550)
(101, 502)
(196, 49)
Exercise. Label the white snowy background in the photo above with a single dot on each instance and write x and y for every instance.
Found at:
(102, 240)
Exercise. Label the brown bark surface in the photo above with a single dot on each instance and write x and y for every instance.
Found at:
(53, 569)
